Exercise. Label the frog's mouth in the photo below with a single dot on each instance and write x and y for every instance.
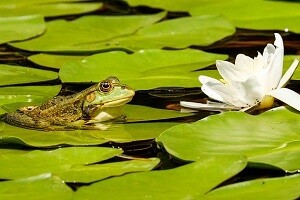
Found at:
(115, 103)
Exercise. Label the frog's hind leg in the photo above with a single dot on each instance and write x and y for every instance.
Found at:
(23, 120)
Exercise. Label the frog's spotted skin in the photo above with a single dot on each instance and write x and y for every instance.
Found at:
(101, 102)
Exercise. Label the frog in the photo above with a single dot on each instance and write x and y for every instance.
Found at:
(100, 103)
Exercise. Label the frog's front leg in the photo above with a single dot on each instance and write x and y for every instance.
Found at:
(23, 120)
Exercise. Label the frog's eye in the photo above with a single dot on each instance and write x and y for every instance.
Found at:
(90, 97)
(105, 86)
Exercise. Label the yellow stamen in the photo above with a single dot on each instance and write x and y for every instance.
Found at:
(266, 102)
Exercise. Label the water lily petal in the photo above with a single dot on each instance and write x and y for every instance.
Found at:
(231, 72)
(249, 91)
(213, 106)
(244, 62)
(224, 93)
(288, 74)
(272, 73)
(259, 63)
(205, 80)
(287, 96)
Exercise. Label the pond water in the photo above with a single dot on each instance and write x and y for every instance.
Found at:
(151, 111)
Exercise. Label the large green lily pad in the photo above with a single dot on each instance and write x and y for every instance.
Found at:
(184, 182)
(56, 161)
(257, 14)
(47, 186)
(12, 98)
(128, 32)
(11, 74)
(48, 8)
(144, 69)
(171, 5)
(83, 33)
(96, 172)
(265, 138)
(70, 164)
(266, 188)
(114, 133)
(54, 60)
(20, 28)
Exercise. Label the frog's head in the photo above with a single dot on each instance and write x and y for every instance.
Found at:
(106, 101)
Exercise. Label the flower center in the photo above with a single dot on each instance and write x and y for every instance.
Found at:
(266, 102)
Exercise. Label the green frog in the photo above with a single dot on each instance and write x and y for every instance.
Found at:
(101, 102)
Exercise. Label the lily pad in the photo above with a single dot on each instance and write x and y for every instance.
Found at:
(12, 98)
(171, 5)
(46, 186)
(10, 74)
(129, 33)
(79, 34)
(267, 188)
(96, 172)
(261, 138)
(53, 60)
(20, 28)
(56, 161)
(47, 8)
(184, 182)
(114, 133)
(258, 14)
(144, 69)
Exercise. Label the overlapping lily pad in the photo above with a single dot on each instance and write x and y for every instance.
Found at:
(258, 14)
(12, 98)
(272, 138)
(115, 132)
(73, 164)
(21, 28)
(171, 5)
(267, 188)
(82, 34)
(53, 60)
(185, 182)
(56, 161)
(11, 74)
(46, 186)
(104, 33)
(46, 8)
(144, 69)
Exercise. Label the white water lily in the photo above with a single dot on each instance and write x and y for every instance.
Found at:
(250, 83)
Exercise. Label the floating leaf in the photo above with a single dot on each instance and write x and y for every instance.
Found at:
(258, 14)
(11, 74)
(79, 34)
(96, 172)
(56, 161)
(12, 98)
(128, 32)
(46, 186)
(52, 60)
(48, 8)
(144, 69)
(267, 188)
(258, 137)
(172, 5)
(114, 132)
(20, 28)
(184, 182)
